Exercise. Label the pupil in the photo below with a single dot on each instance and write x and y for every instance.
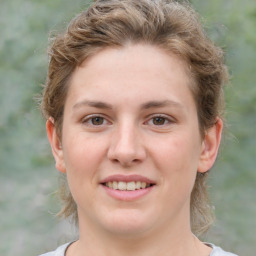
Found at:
(97, 120)
(158, 120)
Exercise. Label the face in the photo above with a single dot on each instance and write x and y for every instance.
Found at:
(131, 145)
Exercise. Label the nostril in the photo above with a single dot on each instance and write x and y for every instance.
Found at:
(126, 148)
(125, 161)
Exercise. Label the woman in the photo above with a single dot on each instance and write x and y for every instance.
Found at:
(134, 104)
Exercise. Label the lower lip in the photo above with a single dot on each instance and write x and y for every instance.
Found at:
(127, 195)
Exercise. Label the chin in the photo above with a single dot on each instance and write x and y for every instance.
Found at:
(127, 223)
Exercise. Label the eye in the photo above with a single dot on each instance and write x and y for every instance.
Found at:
(159, 120)
(94, 121)
(98, 120)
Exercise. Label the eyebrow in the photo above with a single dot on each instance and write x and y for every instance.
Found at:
(95, 104)
(147, 105)
(159, 104)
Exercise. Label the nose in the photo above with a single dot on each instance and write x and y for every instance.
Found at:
(126, 146)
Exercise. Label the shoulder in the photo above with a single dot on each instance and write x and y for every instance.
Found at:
(217, 251)
(60, 251)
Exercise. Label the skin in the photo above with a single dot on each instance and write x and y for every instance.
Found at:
(147, 126)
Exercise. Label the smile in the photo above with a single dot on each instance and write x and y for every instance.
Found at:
(127, 187)
(130, 186)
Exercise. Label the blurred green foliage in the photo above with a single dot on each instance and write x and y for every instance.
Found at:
(27, 174)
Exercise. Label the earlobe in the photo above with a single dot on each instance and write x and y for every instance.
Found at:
(210, 146)
(55, 143)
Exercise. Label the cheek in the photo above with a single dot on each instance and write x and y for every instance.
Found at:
(82, 156)
(177, 153)
(177, 160)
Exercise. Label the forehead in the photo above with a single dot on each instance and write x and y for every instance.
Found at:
(131, 72)
(140, 56)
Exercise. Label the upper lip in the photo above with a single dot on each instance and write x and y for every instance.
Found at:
(127, 178)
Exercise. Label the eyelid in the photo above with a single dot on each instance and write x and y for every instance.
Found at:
(166, 117)
(87, 118)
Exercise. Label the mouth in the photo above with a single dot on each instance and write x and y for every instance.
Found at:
(127, 183)
(127, 186)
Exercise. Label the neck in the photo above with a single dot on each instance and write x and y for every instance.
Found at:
(174, 239)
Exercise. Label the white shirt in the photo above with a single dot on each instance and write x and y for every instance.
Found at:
(216, 251)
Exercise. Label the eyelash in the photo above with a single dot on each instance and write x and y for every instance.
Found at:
(167, 120)
(88, 120)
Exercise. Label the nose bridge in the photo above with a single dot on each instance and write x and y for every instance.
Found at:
(126, 145)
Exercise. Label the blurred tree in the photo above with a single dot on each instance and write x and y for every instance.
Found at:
(27, 168)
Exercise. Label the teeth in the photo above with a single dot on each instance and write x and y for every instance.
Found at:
(115, 185)
(143, 184)
(122, 185)
(110, 184)
(138, 185)
(131, 186)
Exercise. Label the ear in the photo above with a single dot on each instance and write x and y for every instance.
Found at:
(55, 145)
(210, 146)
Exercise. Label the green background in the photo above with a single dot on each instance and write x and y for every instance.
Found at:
(27, 174)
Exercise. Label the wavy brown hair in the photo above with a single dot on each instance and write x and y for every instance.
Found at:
(170, 25)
